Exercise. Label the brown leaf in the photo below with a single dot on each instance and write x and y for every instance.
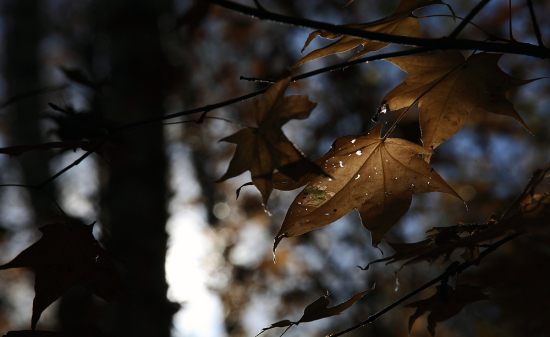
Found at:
(452, 87)
(65, 256)
(375, 176)
(458, 298)
(263, 149)
(319, 309)
(399, 23)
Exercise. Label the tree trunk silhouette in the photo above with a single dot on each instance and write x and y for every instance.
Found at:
(133, 198)
(22, 70)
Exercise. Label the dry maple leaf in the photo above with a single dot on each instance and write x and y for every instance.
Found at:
(263, 149)
(65, 256)
(449, 88)
(440, 311)
(373, 175)
(319, 309)
(399, 23)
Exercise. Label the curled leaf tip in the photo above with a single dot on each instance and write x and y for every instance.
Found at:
(238, 191)
(276, 243)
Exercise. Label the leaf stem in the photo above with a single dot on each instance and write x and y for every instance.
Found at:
(257, 80)
(63, 214)
(467, 19)
(30, 93)
(535, 24)
(198, 121)
(75, 163)
(491, 36)
(208, 108)
(510, 20)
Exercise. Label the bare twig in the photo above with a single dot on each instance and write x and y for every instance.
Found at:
(438, 43)
(510, 20)
(30, 93)
(76, 162)
(535, 24)
(63, 214)
(491, 36)
(198, 121)
(303, 76)
(257, 80)
(467, 19)
(208, 108)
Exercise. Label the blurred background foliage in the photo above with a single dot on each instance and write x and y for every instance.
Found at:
(153, 190)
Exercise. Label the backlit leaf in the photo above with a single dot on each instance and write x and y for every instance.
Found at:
(399, 23)
(375, 176)
(263, 149)
(452, 88)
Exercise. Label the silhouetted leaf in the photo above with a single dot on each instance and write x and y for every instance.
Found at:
(458, 298)
(74, 125)
(65, 256)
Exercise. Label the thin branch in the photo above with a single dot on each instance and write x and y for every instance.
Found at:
(211, 107)
(491, 36)
(257, 80)
(437, 43)
(198, 121)
(208, 108)
(468, 18)
(76, 162)
(535, 24)
(30, 93)
(453, 270)
(63, 214)
(510, 20)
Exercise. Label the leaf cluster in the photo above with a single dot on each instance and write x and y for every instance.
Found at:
(372, 172)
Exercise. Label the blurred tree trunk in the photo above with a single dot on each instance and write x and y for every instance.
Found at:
(134, 193)
(23, 34)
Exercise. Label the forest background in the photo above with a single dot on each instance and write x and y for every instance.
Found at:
(152, 189)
